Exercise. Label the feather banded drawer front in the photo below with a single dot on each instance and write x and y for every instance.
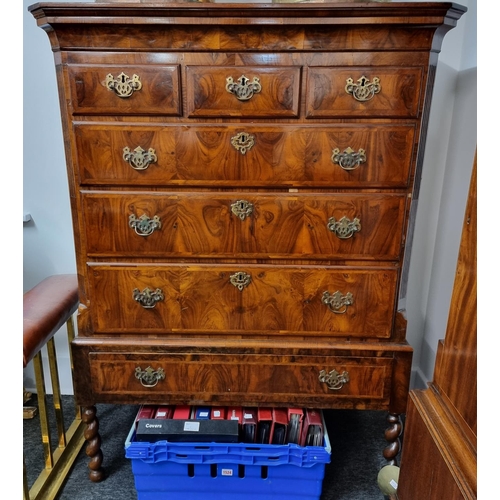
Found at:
(241, 182)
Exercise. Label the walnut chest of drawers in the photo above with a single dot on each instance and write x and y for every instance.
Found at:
(241, 180)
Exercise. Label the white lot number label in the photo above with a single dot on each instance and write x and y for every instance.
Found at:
(192, 426)
(227, 472)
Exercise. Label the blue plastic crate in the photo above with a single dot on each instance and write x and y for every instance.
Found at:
(219, 471)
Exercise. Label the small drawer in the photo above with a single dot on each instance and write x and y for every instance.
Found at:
(288, 226)
(360, 155)
(247, 91)
(245, 299)
(241, 377)
(124, 90)
(341, 92)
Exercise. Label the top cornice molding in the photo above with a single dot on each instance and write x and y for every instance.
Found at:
(406, 13)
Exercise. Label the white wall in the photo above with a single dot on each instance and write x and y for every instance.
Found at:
(48, 246)
(48, 241)
(451, 144)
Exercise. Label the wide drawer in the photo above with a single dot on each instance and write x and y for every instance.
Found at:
(317, 226)
(240, 377)
(339, 155)
(248, 91)
(243, 299)
(125, 90)
(352, 92)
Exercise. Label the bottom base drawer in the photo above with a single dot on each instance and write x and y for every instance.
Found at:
(228, 372)
(251, 378)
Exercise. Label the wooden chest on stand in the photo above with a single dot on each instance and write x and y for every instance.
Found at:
(241, 180)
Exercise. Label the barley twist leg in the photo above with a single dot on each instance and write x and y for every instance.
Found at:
(392, 436)
(93, 449)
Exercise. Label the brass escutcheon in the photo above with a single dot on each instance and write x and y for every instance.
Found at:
(147, 298)
(348, 159)
(149, 377)
(144, 226)
(334, 380)
(336, 302)
(344, 228)
(242, 209)
(364, 90)
(123, 86)
(139, 159)
(243, 142)
(240, 280)
(244, 89)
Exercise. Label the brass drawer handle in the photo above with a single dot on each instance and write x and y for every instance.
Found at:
(334, 380)
(336, 302)
(149, 377)
(240, 280)
(123, 86)
(348, 159)
(147, 298)
(244, 89)
(242, 209)
(344, 228)
(144, 226)
(364, 90)
(243, 142)
(139, 159)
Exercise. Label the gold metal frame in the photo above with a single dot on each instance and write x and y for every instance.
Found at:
(58, 459)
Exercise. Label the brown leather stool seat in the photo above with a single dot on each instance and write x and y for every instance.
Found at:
(46, 307)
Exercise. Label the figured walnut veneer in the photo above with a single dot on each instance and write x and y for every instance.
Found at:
(202, 155)
(286, 225)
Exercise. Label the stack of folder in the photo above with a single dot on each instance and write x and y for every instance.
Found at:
(278, 426)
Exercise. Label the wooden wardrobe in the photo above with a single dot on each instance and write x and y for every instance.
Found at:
(439, 457)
